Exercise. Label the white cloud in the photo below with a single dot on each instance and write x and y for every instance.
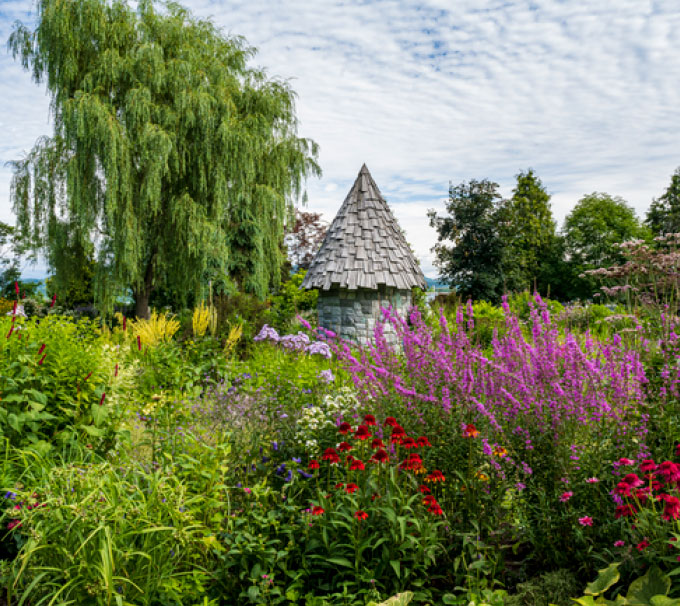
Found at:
(424, 93)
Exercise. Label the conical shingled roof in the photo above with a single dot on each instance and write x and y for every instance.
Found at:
(364, 247)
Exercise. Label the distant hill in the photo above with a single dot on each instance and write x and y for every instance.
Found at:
(436, 283)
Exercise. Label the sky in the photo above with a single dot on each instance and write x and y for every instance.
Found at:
(429, 93)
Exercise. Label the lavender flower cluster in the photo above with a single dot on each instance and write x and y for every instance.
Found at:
(294, 342)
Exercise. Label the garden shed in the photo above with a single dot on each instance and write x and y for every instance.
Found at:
(364, 263)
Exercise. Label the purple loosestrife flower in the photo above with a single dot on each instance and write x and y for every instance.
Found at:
(267, 333)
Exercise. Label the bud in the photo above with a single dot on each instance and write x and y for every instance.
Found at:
(42, 348)
(102, 399)
(42, 360)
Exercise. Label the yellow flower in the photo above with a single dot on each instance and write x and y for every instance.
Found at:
(482, 477)
(500, 452)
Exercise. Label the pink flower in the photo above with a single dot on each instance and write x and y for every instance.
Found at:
(585, 521)
(619, 543)
(632, 480)
(592, 480)
(647, 465)
(625, 461)
(566, 496)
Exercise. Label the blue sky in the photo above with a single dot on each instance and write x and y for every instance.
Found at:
(585, 92)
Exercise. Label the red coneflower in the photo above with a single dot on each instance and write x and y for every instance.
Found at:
(362, 433)
(470, 431)
(350, 488)
(436, 509)
(317, 510)
(398, 434)
(436, 476)
(642, 545)
(647, 465)
(328, 454)
(423, 441)
(408, 442)
(369, 420)
(339, 485)
(424, 489)
(391, 422)
(360, 514)
(380, 456)
(429, 500)
(313, 464)
(357, 464)
(377, 443)
(344, 447)
(344, 428)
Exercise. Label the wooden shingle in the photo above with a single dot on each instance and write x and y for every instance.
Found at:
(364, 247)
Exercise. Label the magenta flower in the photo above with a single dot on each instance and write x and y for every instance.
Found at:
(566, 496)
(619, 543)
(592, 480)
(585, 521)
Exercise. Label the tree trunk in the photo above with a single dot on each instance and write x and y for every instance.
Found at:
(143, 293)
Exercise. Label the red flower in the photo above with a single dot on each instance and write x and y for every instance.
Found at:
(357, 464)
(624, 511)
(16, 287)
(409, 443)
(391, 422)
(671, 510)
(349, 459)
(40, 363)
(317, 510)
(344, 447)
(380, 457)
(139, 343)
(669, 471)
(11, 330)
(313, 464)
(470, 431)
(623, 488)
(429, 500)
(360, 514)
(370, 420)
(87, 377)
(424, 489)
(42, 348)
(656, 485)
(375, 496)
(647, 465)
(362, 433)
(625, 461)
(344, 428)
(642, 494)
(642, 545)
(632, 480)
(54, 300)
(329, 454)
(435, 509)
(115, 373)
(398, 434)
(436, 476)
(339, 485)
(423, 441)
(102, 399)
(377, 443)
(350, 488)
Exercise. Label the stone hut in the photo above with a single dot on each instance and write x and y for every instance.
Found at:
(364, 263)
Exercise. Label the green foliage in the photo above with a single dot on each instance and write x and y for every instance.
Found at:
(53, 374)
(472, 264)
(663, 216)
(290, 300)
(548, 588)
(178, 156)
(591, 229)
(244, 309)
(528, 233)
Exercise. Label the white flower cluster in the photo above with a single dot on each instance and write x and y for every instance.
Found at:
(327, 415)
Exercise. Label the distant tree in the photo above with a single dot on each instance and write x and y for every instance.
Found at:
(663, 216)
(472, 263)
(597, 222)
(304, 237)
(9, 271)
(169, 155)
(528, 234)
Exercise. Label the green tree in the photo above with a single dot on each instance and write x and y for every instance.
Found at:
(9, 271)
(591, 229)
(528, 234)
(663, 216)
(169, 154)
(473, 263)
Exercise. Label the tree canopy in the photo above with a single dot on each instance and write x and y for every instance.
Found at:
(663, 216)
(170, 157)
(529, 233)
(473, 263)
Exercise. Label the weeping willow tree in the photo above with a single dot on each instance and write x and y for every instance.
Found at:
(170, 156)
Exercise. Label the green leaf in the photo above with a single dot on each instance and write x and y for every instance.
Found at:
(653, 583)
(449, 598)
(93, 431)
(253, 593)
(605, 579)
(396, 567)
(662, 600)
(340, 562)
(401, 599)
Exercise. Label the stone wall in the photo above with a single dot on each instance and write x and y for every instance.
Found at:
(352, 314)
